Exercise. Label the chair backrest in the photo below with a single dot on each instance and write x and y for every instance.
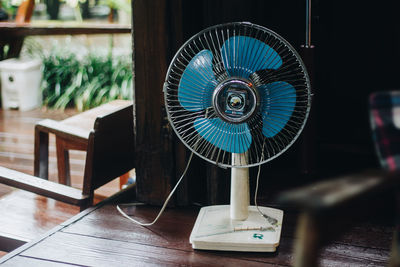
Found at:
(110, 149)
(385, 124)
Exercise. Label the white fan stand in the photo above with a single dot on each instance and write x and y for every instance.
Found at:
(238, 226)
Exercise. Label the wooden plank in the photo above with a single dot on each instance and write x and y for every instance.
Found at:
(367, 235)
(4, 189)
(172, 231)
(26, 216)
(76, 175)
(86, 119)
(42, 236)
(361, 234)
(40, 186)
(86, 250)
(63, 130)
(28, 29)
(346, 255)
(108, 223)
(21, 261)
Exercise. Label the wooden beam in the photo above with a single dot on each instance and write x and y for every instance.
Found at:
(153, 34)
(11, 29)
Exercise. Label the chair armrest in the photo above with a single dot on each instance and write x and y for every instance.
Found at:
(340, 190)
(42, 187)
(62, 130)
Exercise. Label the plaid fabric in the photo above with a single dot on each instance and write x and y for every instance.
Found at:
(385, 124)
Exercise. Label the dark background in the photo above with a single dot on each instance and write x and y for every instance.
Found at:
(357, 50)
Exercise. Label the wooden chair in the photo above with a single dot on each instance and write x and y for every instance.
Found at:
(110, 154)
(110, 148)
(328, 207)
(104, 132)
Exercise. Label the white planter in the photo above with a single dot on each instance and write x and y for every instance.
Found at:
(124, 17)
(20, 83)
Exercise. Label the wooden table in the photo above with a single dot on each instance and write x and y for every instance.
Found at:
(99, 236)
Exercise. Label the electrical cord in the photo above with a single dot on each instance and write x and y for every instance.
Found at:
(165, 202)
(270, 219)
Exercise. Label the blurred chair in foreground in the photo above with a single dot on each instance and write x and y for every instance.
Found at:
(328, 206)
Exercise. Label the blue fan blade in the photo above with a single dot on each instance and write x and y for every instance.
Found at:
(278, 100)
(197, 82)
(242, 56)
(233, 138)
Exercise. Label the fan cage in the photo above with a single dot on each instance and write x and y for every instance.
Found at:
(292, 71)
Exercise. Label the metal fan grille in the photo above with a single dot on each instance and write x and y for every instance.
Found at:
(223, 52)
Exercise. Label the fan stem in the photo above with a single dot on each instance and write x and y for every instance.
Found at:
(240, 193)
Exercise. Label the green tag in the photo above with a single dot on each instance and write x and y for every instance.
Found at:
(259, 236)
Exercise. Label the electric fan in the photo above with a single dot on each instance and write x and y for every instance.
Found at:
(237, 95)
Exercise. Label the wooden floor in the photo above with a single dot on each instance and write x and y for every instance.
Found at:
(365, 244)
(22, 212)
(102, 237)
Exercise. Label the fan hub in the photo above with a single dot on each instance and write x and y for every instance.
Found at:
(235, 100)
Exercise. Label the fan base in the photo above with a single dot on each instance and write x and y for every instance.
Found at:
(215, 230)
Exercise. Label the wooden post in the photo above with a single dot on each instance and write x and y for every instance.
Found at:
(153, 39)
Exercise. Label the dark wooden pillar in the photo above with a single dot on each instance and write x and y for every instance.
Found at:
(308, 141)
(155, 38)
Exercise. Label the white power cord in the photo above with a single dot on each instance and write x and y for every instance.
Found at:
(270, 219)
(165, 202)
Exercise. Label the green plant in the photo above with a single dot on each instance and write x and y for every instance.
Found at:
(124, 5)
(10, 6)
(86, 83)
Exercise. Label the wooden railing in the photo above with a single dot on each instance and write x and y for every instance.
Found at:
(12, 34)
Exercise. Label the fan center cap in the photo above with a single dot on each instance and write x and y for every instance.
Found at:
(235, 100)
